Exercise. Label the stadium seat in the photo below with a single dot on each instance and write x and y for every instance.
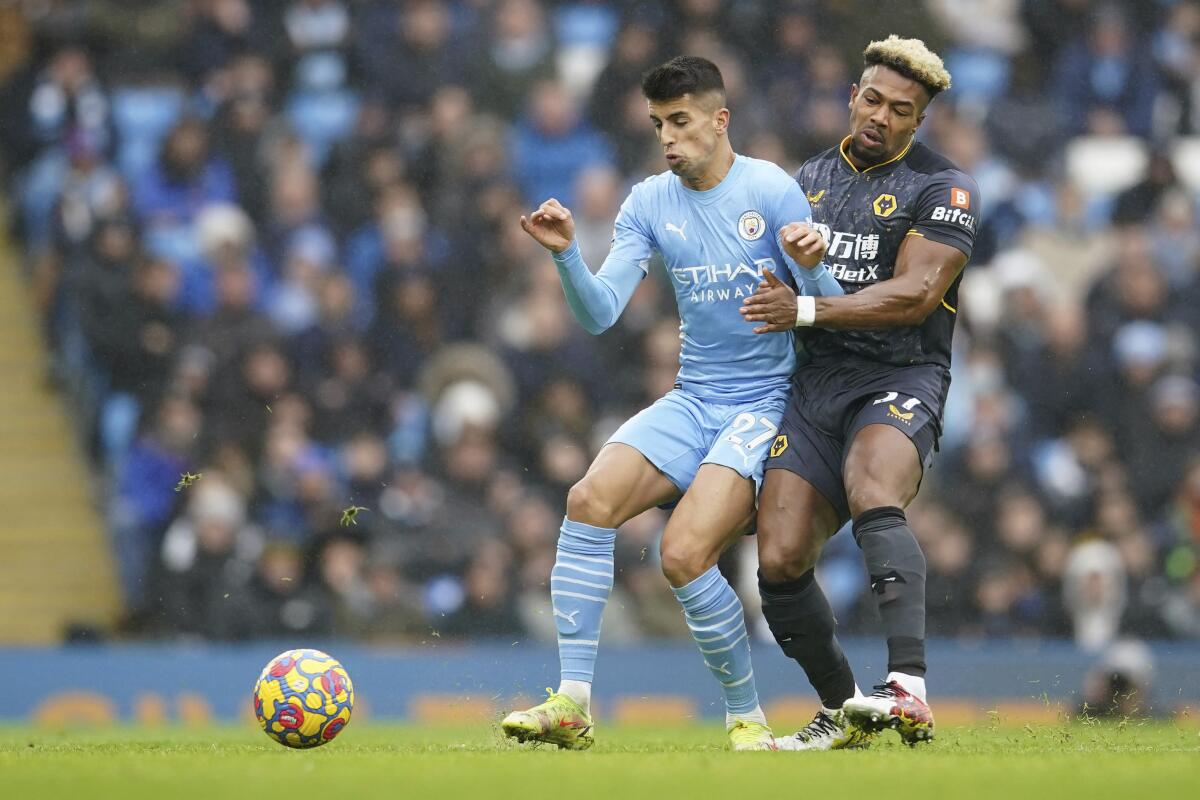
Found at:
(1106, 165)
(979, 75)
(143, 116)
(322, 118)
(585, 34)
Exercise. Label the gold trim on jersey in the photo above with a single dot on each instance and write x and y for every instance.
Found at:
(846, 158)
(949, 307)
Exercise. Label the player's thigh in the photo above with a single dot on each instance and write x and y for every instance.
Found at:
(710, 517)
(794, 522)
(883, 468)
(742, 435)
(673, 434)
(620, 484)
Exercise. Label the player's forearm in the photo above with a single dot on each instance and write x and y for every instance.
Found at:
(890, 304)
(818, 282)
(592, 299)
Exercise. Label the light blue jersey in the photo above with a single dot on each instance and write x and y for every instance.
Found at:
(715, 245)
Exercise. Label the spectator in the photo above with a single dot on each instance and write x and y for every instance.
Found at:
(220, 31)
(340, 564)
(1106, 79)
(515, 52)
(276, 601)
(145, 490)
(599, 199)
(408, 53)
(205, 553)
(186, 178)
(1162, 453)
(552, 144)
(1095, 593)
(489, 605)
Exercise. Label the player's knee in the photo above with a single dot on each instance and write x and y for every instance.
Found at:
(587, 505)
(785, 551)
(683, 560)
(866, 493)
(882, 470)
(780, 561)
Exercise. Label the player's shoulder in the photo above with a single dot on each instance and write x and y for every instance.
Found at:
(933, 166)
(822, 160)
(653, 184)
(649, 192)
(758, 170)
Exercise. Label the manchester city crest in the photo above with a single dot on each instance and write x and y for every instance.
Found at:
(751, 226)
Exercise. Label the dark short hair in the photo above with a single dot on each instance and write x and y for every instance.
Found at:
(682, 75)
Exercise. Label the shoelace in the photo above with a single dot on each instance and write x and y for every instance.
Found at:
(821, 724)
(884, 690)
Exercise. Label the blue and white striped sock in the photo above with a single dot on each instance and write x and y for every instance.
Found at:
(580, 584)
(714, 615)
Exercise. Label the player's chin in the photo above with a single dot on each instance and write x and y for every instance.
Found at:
(867, 148)
(678, 165)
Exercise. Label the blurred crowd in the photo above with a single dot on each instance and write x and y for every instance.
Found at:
(275, 244)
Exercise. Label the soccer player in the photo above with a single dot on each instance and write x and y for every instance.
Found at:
(865, 413)
(713, 218)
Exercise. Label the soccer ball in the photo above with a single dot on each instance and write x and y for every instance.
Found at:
(303, 698)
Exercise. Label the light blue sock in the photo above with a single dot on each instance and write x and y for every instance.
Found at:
(714, 615)
(580, 584)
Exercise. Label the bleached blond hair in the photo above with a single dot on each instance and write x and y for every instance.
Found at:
(912, 59)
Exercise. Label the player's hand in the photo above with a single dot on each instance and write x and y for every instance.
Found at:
(551, 225)
(803, 243)
(773, 304)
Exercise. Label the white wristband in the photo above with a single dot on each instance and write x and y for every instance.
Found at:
(806, 310)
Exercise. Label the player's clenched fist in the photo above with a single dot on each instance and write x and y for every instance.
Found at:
(552, 225)
(803, 243)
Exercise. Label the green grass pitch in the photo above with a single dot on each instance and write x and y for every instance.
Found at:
(1153, 760)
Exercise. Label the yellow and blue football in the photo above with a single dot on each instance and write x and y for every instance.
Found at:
(303, 698)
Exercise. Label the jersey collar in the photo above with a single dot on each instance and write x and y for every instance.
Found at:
(892, 160)
(714, 194)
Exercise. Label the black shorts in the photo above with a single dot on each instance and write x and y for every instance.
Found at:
(832, 402)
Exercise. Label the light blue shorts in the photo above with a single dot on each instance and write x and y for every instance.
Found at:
(681, 431)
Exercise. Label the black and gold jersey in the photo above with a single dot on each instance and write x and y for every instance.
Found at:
(866, 215)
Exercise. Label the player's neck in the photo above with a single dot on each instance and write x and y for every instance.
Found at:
(862, 165)
(721, 164)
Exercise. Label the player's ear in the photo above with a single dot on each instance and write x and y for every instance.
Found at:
(721, 121)
(853, 94)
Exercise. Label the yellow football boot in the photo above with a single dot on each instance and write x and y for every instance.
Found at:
(559, 721)
(746, 735)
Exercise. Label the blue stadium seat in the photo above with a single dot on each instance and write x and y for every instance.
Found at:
(143, 116)
(322, 118)
(980, 75)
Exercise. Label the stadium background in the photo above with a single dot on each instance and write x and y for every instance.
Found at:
(275, 244)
